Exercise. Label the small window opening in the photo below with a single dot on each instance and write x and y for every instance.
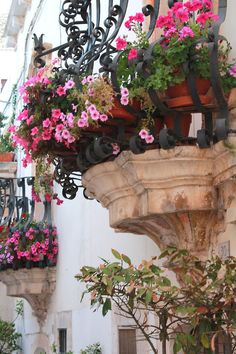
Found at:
(62, 340)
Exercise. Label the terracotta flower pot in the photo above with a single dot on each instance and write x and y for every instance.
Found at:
(7, 156)
(180, 96)
(119, 112)
(185, 122)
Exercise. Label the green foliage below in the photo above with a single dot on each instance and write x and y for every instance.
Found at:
(92, 349)
(8, 338)
(192, 315)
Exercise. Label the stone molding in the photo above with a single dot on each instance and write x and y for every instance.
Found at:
(176, 197)
(15, 21)
(8, 169)
(35, 285)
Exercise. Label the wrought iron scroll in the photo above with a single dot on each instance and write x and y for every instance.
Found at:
(90, 37)
(17, 208)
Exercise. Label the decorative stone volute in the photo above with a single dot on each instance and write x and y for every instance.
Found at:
(35, 285)
(177, 197)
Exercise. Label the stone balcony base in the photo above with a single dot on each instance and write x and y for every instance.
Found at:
(35, 285)
(177, 197)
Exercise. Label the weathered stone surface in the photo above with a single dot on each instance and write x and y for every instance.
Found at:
(34, 285)
(176, 196)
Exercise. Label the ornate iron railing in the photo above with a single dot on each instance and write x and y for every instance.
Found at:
(90, 38)
(17, 208)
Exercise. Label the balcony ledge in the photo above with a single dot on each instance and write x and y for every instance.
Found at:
(177, 197)
(35, 285)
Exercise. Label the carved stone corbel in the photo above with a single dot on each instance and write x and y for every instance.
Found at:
(35, 285)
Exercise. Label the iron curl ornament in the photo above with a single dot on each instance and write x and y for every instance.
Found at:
(90, 44)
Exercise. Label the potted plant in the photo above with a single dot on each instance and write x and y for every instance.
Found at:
(57, 115)
(181, 47)
(6, 146)
(33, 246)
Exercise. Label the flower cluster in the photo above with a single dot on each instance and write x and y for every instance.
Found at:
(36, 244)
(145, 135)
(134, 24)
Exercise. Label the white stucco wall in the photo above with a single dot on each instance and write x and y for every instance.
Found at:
(83, 227)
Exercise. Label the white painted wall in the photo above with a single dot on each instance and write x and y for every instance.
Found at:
(84, 232)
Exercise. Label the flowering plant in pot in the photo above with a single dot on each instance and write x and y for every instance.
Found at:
(181, 47)
(184, 40)
(34, 246)
(57, 114)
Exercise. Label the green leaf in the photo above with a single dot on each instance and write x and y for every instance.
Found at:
(116, 254)
(126, 259)
(177, 346)
(106, 307)
(148, 296)
(205, 341)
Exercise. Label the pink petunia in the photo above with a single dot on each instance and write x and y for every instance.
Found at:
(128, 24)
(124, 101)
(133, 53)
(60, 91)
(65, 134)
(34, 131)
(95, 115)
(56, 113)
(84, 81)
(143, 134)
(46, 123)
(69, 84)
(149, 139)
(232, 70)
(103, 117)
(46, 135)
(124, 92)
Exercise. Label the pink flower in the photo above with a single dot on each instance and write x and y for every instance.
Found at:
(139, 17)
(61, 91)
(121, 43)
(116, 149)
(84, 81)
(84, 115)
(124, 92)
(48, 198)
(124, 101)
(128, 24)
(232, 70)
(56, 113)
(70, 119)
(71, 139)
(59, 128)
(133, 53)
(205, 16)
(46, 135)
(177, 6)
(182, 15)
(46, 123)
(143, 134)
(103, 117)
(34, 131)
(91, 91)
(29, 120)
(170, 31)
(90, 78)
(186, 32)
(69, 84)
(23, 115)
(164, 21)
(149, 139)
(46, 81)
(55, 61)
(95, 115)
(74, 107)
(207, 4)
(194, 6)
(65, 134)
(12, 128)
(82, 123)
(92, 108)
